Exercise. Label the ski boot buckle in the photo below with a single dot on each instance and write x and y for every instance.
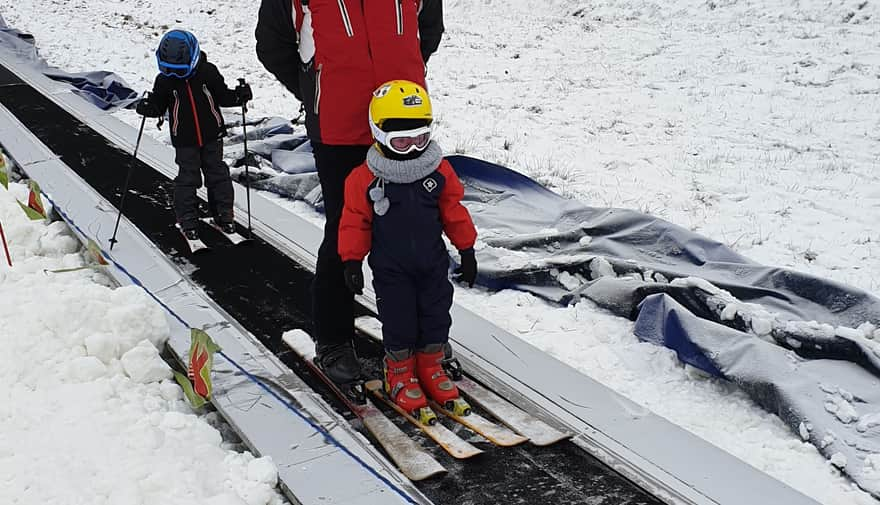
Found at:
(452, 368)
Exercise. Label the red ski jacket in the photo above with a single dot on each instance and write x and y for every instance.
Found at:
(332, 54)
(410, 232)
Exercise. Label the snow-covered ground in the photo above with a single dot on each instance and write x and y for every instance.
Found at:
(752, 122)
(89, 412)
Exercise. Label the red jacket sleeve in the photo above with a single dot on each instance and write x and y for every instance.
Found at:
(456, 219)
(356, 226)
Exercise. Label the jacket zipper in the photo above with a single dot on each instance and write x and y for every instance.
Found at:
(174, 114)
(412, 235)
(399, 11)
(211, 103)
(318, 86)
(345, 19)
(192, 102)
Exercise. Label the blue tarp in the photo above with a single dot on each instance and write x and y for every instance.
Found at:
(105, 89)
(801, 346)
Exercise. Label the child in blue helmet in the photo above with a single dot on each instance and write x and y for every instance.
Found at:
(191, 90)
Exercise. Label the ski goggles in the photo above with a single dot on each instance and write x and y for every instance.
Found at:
(403, 141)
(174, 70)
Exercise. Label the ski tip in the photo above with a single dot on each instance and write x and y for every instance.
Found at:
(373, 385)
(299, 341)
(550, 439)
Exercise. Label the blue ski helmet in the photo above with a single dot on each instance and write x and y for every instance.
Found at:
(178, 54)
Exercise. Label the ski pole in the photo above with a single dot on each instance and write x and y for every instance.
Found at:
(137, 146)
(5, 247)
(247, 173)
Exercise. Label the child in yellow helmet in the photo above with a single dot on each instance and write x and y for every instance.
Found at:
(397, 206)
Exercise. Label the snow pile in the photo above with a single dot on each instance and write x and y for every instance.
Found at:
(87, 413)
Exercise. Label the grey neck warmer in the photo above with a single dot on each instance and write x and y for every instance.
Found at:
(405, 171)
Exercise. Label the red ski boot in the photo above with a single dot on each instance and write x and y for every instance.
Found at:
(432, 377)
(403, 388)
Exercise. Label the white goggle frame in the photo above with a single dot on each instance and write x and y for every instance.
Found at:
(385, 138)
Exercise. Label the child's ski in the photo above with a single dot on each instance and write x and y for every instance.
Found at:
(235, 238)
(527, 425)
(497, 434)
(449, 441)
(195, 246)
(415, 463)
(537, 431)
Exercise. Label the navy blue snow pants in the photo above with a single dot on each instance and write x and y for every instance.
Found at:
(413, 303)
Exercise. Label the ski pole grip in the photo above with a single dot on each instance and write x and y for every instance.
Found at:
(242, 83)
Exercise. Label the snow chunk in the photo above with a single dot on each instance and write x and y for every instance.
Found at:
(585, 240)
(103, 346)
(701, 284)
(263, 470)
(170, 391)
(867, 329)
(827, 440)
(762, 326)
(174, 421)
(850, 333)
(86, 369)
(868, 421)
(729, 312)
(804, 431)
(838, 460)
(600, 267)
(568, 280)
(872, 464)
(842, 409)
(143, 364)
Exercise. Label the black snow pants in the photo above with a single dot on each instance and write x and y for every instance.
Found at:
(332, 302)
(191, 163)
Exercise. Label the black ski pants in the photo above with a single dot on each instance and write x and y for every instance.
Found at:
(191, 163)
(332, 302)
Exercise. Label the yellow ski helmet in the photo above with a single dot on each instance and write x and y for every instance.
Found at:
(404, 100)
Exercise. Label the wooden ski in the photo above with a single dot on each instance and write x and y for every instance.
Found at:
(413, 462)
(449, 441)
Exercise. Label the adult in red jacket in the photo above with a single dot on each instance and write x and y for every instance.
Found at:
(331, 54)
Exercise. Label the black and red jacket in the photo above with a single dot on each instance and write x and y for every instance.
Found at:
(332, 54)
(193, 104)
(409, 235)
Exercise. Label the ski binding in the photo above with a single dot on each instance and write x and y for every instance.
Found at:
(236, 238)
(195, 246)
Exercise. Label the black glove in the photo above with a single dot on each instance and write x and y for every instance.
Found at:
(467, 272)
(354, 277)
(244, 93)
(145, 108)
